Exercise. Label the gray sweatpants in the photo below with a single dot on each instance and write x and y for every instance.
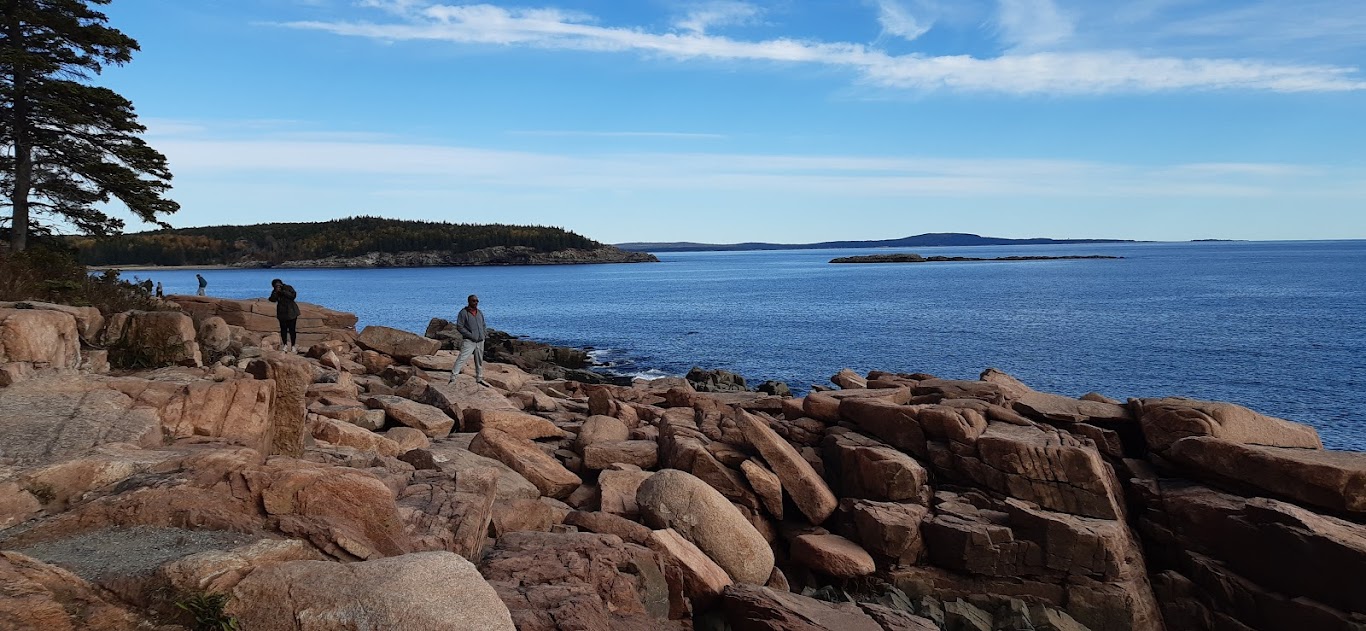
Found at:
(467, 348)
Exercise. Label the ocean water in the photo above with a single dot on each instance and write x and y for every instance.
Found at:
(1277, 326)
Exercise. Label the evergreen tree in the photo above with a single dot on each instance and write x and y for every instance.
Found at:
(65, 146)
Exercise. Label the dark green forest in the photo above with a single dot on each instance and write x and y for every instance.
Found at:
(274, 243)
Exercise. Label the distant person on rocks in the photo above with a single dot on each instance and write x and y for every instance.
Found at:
(147, 286)
(470, 324)
(287, 312)
(160, 293)
(203, 284)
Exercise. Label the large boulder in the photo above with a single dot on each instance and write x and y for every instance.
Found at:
(602, 428)
(425, 418)
(618, 488)
(40, 338)
(1334, 480)
(1049, 467)
(756, 608)
(609, 524)
(689, 570)
(1055, 407)
(766, 484)
(89, 320)
(430, 590)
(214, 334)
(519, 424)
(825, 406)
(256, 318)
(638, 453)
(457, 460)
(679, 500)
(400, 345)
(807, 488)
(867, 469)
(463, 394)
(289, 414)
(896, 424)
(833, 555)
(441, 513)
(889, 529)
(716, 380)
(1166, 421)
(344, 434)
(238, 409)
(1259, 559)
(542, 470)
(552, 581)
(143, 339)
(35, 596)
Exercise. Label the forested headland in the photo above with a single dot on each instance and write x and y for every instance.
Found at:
(283, 243)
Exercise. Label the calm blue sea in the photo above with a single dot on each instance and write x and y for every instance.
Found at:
(1277, 326)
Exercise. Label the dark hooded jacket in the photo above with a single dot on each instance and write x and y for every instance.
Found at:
(285, 307)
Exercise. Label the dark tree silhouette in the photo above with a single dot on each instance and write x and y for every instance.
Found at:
(279, 242)
(67, 147)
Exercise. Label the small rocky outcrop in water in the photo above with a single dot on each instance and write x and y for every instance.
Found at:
(358, 485)
(916, 258)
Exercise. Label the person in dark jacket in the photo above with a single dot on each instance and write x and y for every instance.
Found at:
(470, 324)
(287, 312)
(203, 284)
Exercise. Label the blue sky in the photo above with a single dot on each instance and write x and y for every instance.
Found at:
(782, 120)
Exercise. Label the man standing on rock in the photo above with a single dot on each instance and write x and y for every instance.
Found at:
(203, 284)
(470, 324)
(287, 312)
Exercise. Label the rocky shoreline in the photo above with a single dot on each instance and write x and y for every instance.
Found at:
(208, 479)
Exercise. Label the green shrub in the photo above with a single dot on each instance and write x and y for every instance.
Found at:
(48, 272)
(129, 356)
(207, 611)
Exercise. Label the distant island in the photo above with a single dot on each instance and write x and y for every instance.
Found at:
(936, 239)
(351, 242)
(916, 258)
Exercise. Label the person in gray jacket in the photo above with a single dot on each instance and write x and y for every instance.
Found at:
(470, 324)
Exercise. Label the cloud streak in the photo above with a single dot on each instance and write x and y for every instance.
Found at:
(1017, 72)
(720, 13)
(1033, 24)
(899, 20)
(677, 135)
(199, 158)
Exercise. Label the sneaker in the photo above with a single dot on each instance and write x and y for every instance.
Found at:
(483, 383)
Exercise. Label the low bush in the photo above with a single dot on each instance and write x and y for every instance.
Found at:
(48, 271)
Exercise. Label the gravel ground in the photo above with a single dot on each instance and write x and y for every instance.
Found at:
(130, 551)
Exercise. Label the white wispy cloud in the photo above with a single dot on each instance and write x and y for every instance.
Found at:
(204, 157)
(1311, 23)
(904, 21)
(1018, 72)
(618, 134)
(702, 18)
(1032, 24)
(1306, 29)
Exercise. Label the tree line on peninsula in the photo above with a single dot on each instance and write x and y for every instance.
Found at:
(278, 242)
